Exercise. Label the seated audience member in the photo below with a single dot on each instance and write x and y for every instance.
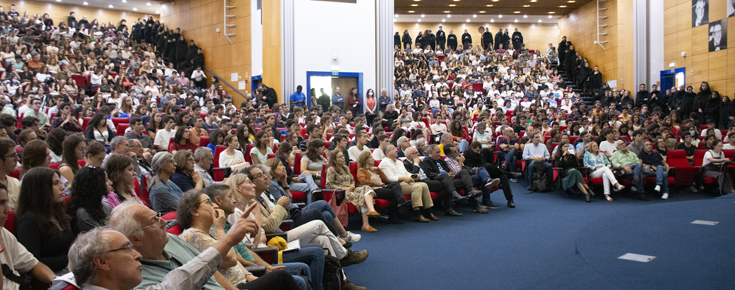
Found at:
(316, 231)
(731, 142)
(41, 224)
(185, 176)
(340, 178)
(654, 164)
(65, 120)
(396, 171)
(95, 154)
(600, 167)
(158, 251)
(402, 144)
(368, 175)
(340, 142)
(163, 136)
(15, 257)
(313, 161)
(136, 132)
(221, 196)
(97, 130)
(713, 166)
(473, 159)
(121, 173)
(119, 145)
(25, 136)
(163, 193)
(259, 153)
(637, 145)
(203, 159)
(196, 216)
(509, 145)
(7, 166)
(607, 147)
(711, 130)
(54, 141)
(572, 180)
(630, 166)
(74, 150)
(302, 183)
(378, 153)
(535, 151)
(361, 146)
(480, 177)
(181, 141)
(35, 154)
(90, 186)
(216, 138)
(231, 156)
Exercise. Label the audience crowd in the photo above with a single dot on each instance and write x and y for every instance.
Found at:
(122, 168)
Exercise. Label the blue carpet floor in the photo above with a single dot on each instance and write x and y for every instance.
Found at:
(552, 241)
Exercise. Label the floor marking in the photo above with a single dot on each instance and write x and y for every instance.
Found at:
(701, 222)
(637, 257)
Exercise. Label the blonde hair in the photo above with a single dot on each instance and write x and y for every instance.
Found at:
(234, 181)
(362, 159)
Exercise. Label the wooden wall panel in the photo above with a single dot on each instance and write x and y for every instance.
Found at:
(535, 36)
(199, 20)
(60, 11)
(701, 65)
(272, 75)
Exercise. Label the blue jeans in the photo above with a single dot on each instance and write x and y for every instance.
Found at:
(311, 255)
(324, 208)
(480, 179)
(297, 269)
(308, 186)
(530, 168)
(637, 176)
(662, 178)
(510, 160)
(463, 144)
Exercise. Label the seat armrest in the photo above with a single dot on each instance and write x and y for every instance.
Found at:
(268, 254)
(286, 225)
(300, 204)
(257, 271)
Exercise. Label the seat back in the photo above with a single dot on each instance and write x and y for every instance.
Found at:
(10, 222)
(54, 165)
(729, 154)
(144, 195)
(204, 141)
(116, 121)
(324, 178)
(121, 128)
(85, 121)
(217, 151)
(303, 134)
(15, 174)
(248, 158)
(297, 164)
(677, 159)
(353, 171)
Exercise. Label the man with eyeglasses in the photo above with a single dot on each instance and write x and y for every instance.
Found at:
(36, 112)
(7, 164)
(716, 41)
(204, 159)
(130, 255)
(135, 131)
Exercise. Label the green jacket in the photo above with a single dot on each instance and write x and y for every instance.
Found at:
(619, 158)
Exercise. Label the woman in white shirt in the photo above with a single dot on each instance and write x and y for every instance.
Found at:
(482, 136)
(231, 156)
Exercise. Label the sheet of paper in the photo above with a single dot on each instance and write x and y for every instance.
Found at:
(707, 223)
(293, 245)
(637, 257)
(241, 85)
(233, 77)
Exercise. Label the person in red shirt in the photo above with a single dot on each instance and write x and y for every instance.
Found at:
(181, 141)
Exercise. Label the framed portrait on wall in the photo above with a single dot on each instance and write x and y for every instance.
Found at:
(718, 35)
(700, 12)
(730, 8)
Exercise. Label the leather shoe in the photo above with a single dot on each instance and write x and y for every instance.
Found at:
(432, 217)
(511, 204)
(451, 212)
(420, 219)
(474, 193)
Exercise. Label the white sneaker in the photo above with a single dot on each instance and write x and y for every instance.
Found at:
(657, 188)
(665, 196)
(693, 189)
(352, 237)
(633, 189)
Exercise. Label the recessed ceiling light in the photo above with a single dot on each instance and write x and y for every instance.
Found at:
(455, 0)
(414, 5)
(549, 16)
(516, 20)
(58, 0)
(158, 12)
(500, 15)
(539, 21)
(525, 16)
(489, 5)
(85, 3)
(516, 12)
(551, 12)
(496, 0)
(125, 1)
(444, 20)
(468, 20)
(483, 11)
(422, 15)
(452, 5)
(448, 16)
(110, 6)
(419, 20)
(526, 5)
(562, 6)
(533, 0)
(411, 11)
(474, 15)
(492, 20)
(149, 4)
(134, 9)
(417, 0)
(571, 1)
(395, 15)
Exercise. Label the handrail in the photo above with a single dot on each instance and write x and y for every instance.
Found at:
(226, 83)
(598, 24)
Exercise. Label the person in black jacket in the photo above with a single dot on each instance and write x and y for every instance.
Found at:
(674, 99)
(397, 40)
(181, 49)
(441, 38)
(499, 39)
(487, 39)
(570, 61)
(434, 167)
(506, 40)
(686, 106)
(563, 46)
(724, 111)
(700, 101)
(452, 40)
(466, 40)
(71, 21)
(655, 99)
(123, 25)
(440, 183)
(418, 39)
(641, 97)
(517, 39)
(407, 40)
(475, 158)
(730, 114)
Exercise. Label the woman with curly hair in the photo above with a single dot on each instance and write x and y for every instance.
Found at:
(90, 186)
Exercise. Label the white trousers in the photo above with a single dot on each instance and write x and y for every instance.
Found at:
(317, 232)
(608, 178)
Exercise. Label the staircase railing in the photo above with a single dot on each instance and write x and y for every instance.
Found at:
(226, 83)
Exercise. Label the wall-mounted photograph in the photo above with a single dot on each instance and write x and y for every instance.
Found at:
(718, 35)
(730, 8)
(700, 12)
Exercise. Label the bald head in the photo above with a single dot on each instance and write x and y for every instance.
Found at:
(411, 150)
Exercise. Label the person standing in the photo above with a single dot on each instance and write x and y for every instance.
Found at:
(506, 39)
(517, 39)
(353, 102)
(563, 46)
(407, 41)
(298, 98)
(441, 38)
(451, 40)
(466, 40)
(499, 38)
(338, 99)
(397, 40)
(487, 39)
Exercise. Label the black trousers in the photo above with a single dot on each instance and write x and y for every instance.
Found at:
(446, 185)
(440, 44)
(280, 280)
(389, 194)
(495, 172)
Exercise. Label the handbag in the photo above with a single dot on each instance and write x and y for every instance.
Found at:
(340, 209)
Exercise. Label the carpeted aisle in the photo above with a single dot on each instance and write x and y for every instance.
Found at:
(550, 241)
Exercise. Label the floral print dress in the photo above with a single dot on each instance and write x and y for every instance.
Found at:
(356, 196)
(201, 241)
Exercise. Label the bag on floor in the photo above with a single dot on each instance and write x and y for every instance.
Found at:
(332, 274)
(539, 177)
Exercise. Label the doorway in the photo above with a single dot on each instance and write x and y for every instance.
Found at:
(316, 81)
(672, 78)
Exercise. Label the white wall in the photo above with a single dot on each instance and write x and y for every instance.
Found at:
(656, 41)
(323, 29)
(256, 36)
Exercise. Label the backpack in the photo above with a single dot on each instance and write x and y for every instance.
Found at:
(332, 274)
(539, 180)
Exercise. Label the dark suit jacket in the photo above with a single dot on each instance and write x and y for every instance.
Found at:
(410, 167)
(430, 168)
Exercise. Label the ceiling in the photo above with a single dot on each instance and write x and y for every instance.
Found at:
(505, 7)
(140, 6)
